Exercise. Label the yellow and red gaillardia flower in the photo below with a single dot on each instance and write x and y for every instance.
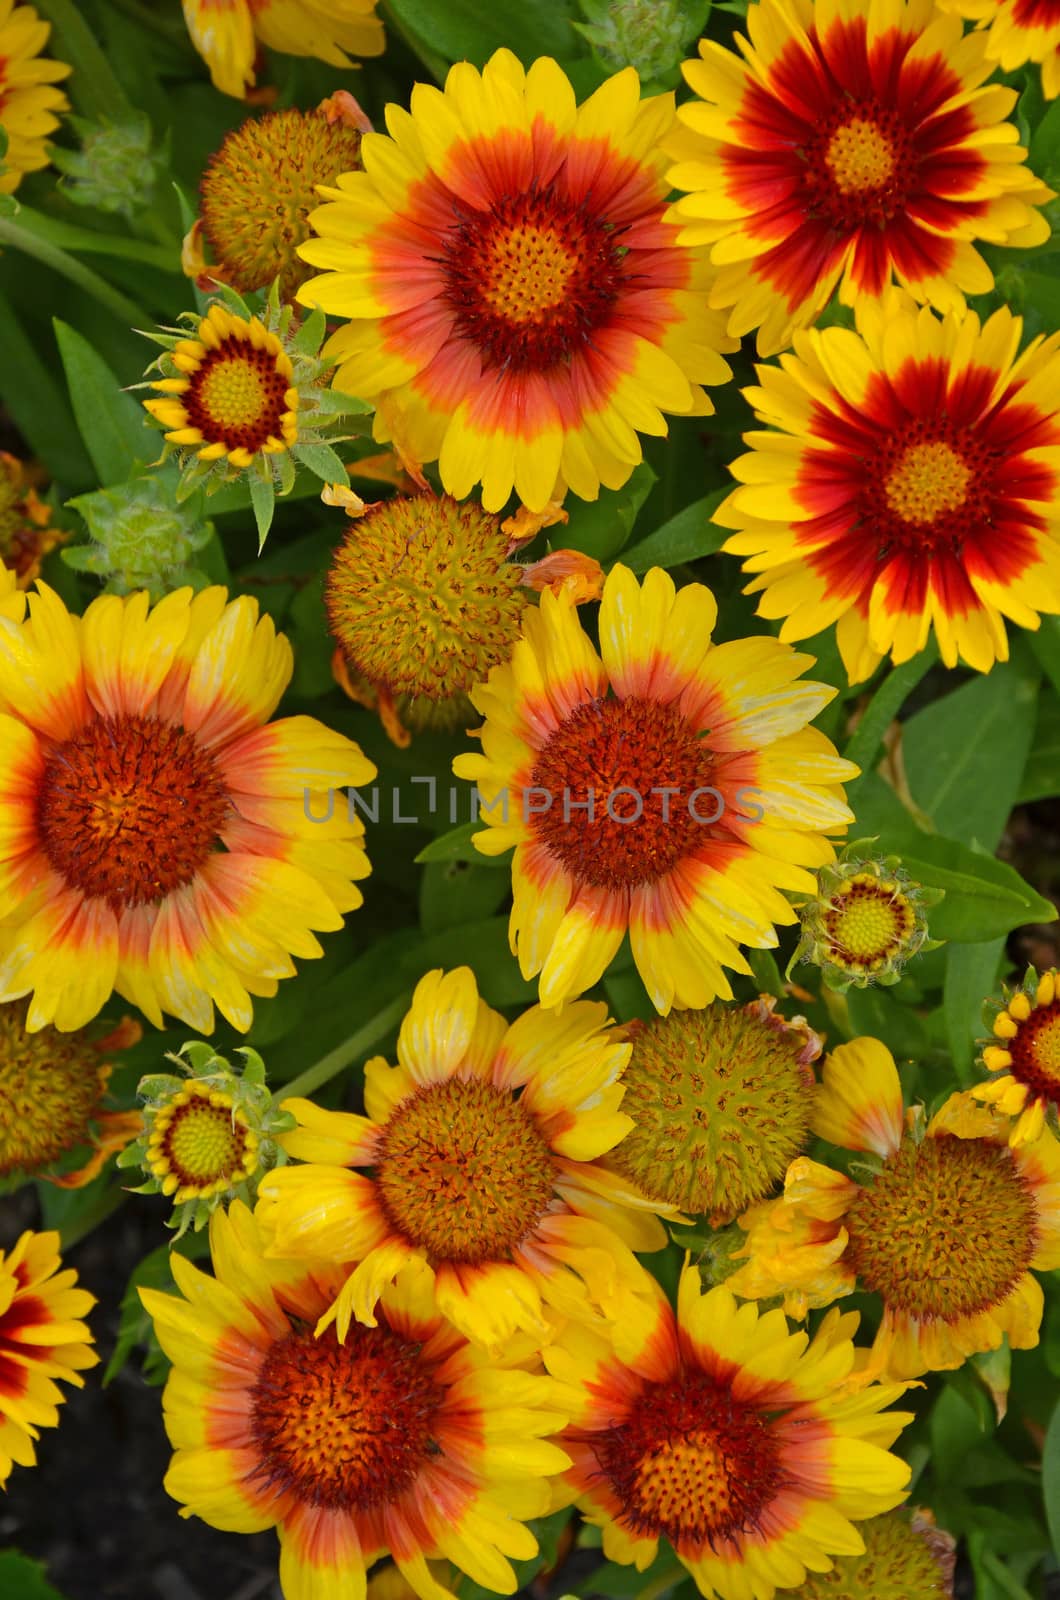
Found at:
(30, 105)
(1018, 31)
(853, 144)
(229, 33)
(520, 307)
(26, 532)
(908, 482)
(946, 1227)
(484, 1144)
(1024, 1056)
(52, 1091)
(157, 834)
(402, 1439)
(43, 1342)
(753, 1450)
(667, 787)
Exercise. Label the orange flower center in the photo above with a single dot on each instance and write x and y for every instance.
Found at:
(859, 165)
(463, 1171)
(622, 791)
(344, 1427)
(928, 480)
(531, 280)
(867, 922)
(129, 809)
(946, 1229)
(692, 1462)
(51, 1086)
(236, 397)
(1035, 1052)
(860, 155)
(204, 1142)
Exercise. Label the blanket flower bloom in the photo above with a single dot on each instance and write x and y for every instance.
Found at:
(1023, 1056)
(43, 1342)
(946, 1226)
(1017, 31)
(30, 101)
(851, 145)
(907, 483)
(866, 922)
(484, 1144)
(753, 1450)
(229, 33)
(667, 787)
(403, 1439)
(520, 308)
(156, 831)
(26, 532)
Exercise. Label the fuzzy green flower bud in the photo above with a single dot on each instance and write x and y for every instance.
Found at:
(209, 1136)
(115, 169)
(651, 35)
(867, 921)
(141, 538)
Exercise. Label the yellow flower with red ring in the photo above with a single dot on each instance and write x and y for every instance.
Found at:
(753, 1450)
(484, 1144)
(158, 836)
(1024, 1056)
(667, 787)
(1017, 31)
(947, 1224)
(404, 1439)
(43, 1342)
(907, 484)
(853, 144)
(520, 307)
(228, 34)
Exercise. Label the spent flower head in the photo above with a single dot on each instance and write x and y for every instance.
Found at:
(209, 1136)
(867, 921)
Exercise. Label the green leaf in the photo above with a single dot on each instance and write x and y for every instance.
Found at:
(1051, 1477)
(985, 898)
(470, 30)
(308, 339)
(484, 948)
(321, 460)
(456, 846)
(1041, 775)
(263, 500)
(971, 974)
(455, 892)
(965, 753)
(865, 741)
(38, 404)
(1046, 642)
(135, 1326)
(686, 537)
(112, 424)
(24, 1579)
(602, 527)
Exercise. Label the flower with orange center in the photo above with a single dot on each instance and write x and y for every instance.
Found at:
(52, 1089)
(854, 146)
(751, 1449)
(908, 481)
(520, 307)
(402, 1439)
(26, 532)
(1024, 1056)
(670, 789)
(43, 1342)
(157, 836)
(228, 34)
(1018, 31)
(945, 1225)
(483, 1144)
(30, 105)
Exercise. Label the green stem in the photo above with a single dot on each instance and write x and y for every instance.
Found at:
(11, 233)
(95, 89)
(68, 236)
(86, 1221)
(345, 1054)
(885, 705)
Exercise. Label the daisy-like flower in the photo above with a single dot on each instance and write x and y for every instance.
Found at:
(852, 146)
(866, 921)
(229, 33)
(43, 1342)
(721, 1102)
(753, 1450)
(26, 532)
(157, 834)
(908, 482)
(670, 789)
(1024, 1056)
(52, 1091)
(483, 1144)
(905, 1558)
(1018, 31)
(404, 1438)
(29, 100)
(520, 307)
(945, 1225)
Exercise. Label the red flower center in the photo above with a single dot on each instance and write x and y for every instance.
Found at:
(344, 1426)
(203, 1144)
(532, 279)
(236, 397)
(1035, 1052)
(866, 922)
(692, 1462)
(622, 791)
(860, 165)
(129, 809)
(929, 487)
(464, 1171)
(946, 1228)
